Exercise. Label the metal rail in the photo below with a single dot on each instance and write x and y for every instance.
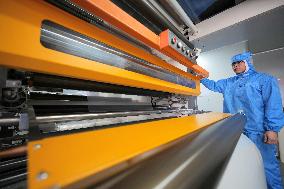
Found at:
(56, 118)
(181, 15)
(105, 119)
(9, 121)
(159, 13)
(13, 163)
(73, 117)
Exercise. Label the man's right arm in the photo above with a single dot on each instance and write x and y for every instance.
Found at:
(216, 86)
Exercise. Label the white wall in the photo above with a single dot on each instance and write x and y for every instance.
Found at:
(218, 63)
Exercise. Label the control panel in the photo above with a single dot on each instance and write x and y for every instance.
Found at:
(171, 45)
(179, 46)
(169, 39)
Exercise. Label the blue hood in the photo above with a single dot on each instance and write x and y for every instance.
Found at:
(247, 57)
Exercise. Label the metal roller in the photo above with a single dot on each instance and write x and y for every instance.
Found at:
(154, 10)
(194, 161)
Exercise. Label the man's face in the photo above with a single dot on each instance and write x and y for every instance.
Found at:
(239, 67)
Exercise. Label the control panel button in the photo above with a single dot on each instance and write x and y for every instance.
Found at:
(174, 40)
(187, 52)
(179, 45)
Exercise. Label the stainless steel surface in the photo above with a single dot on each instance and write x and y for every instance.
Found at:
(180, 47)
(87, 103)
(74, 9)
(170, 60)
(161, 11)
(126, 36)
(80, 95)
(73, 117)
(195, 161)
(72, 97)
(20, 119)
(182, 15)
(71, 122)
(9, 121)
(65, 40)
(160, 14)
(94, 101)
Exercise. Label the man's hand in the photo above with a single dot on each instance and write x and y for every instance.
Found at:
(270, 137)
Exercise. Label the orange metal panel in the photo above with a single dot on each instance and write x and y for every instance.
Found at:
(200, 70)
(164, 36)
(70, 158)
(117, 17)
(170, 51)
(20, 48)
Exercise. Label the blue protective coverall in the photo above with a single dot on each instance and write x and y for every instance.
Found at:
(258, 96)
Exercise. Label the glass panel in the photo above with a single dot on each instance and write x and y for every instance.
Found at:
(200, 10)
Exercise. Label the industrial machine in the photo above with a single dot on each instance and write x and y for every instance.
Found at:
(102, 94)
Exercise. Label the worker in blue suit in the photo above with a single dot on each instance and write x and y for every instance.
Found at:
(257, 95)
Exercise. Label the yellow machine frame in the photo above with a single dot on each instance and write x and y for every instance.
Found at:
(21, 48)
(70, 158)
